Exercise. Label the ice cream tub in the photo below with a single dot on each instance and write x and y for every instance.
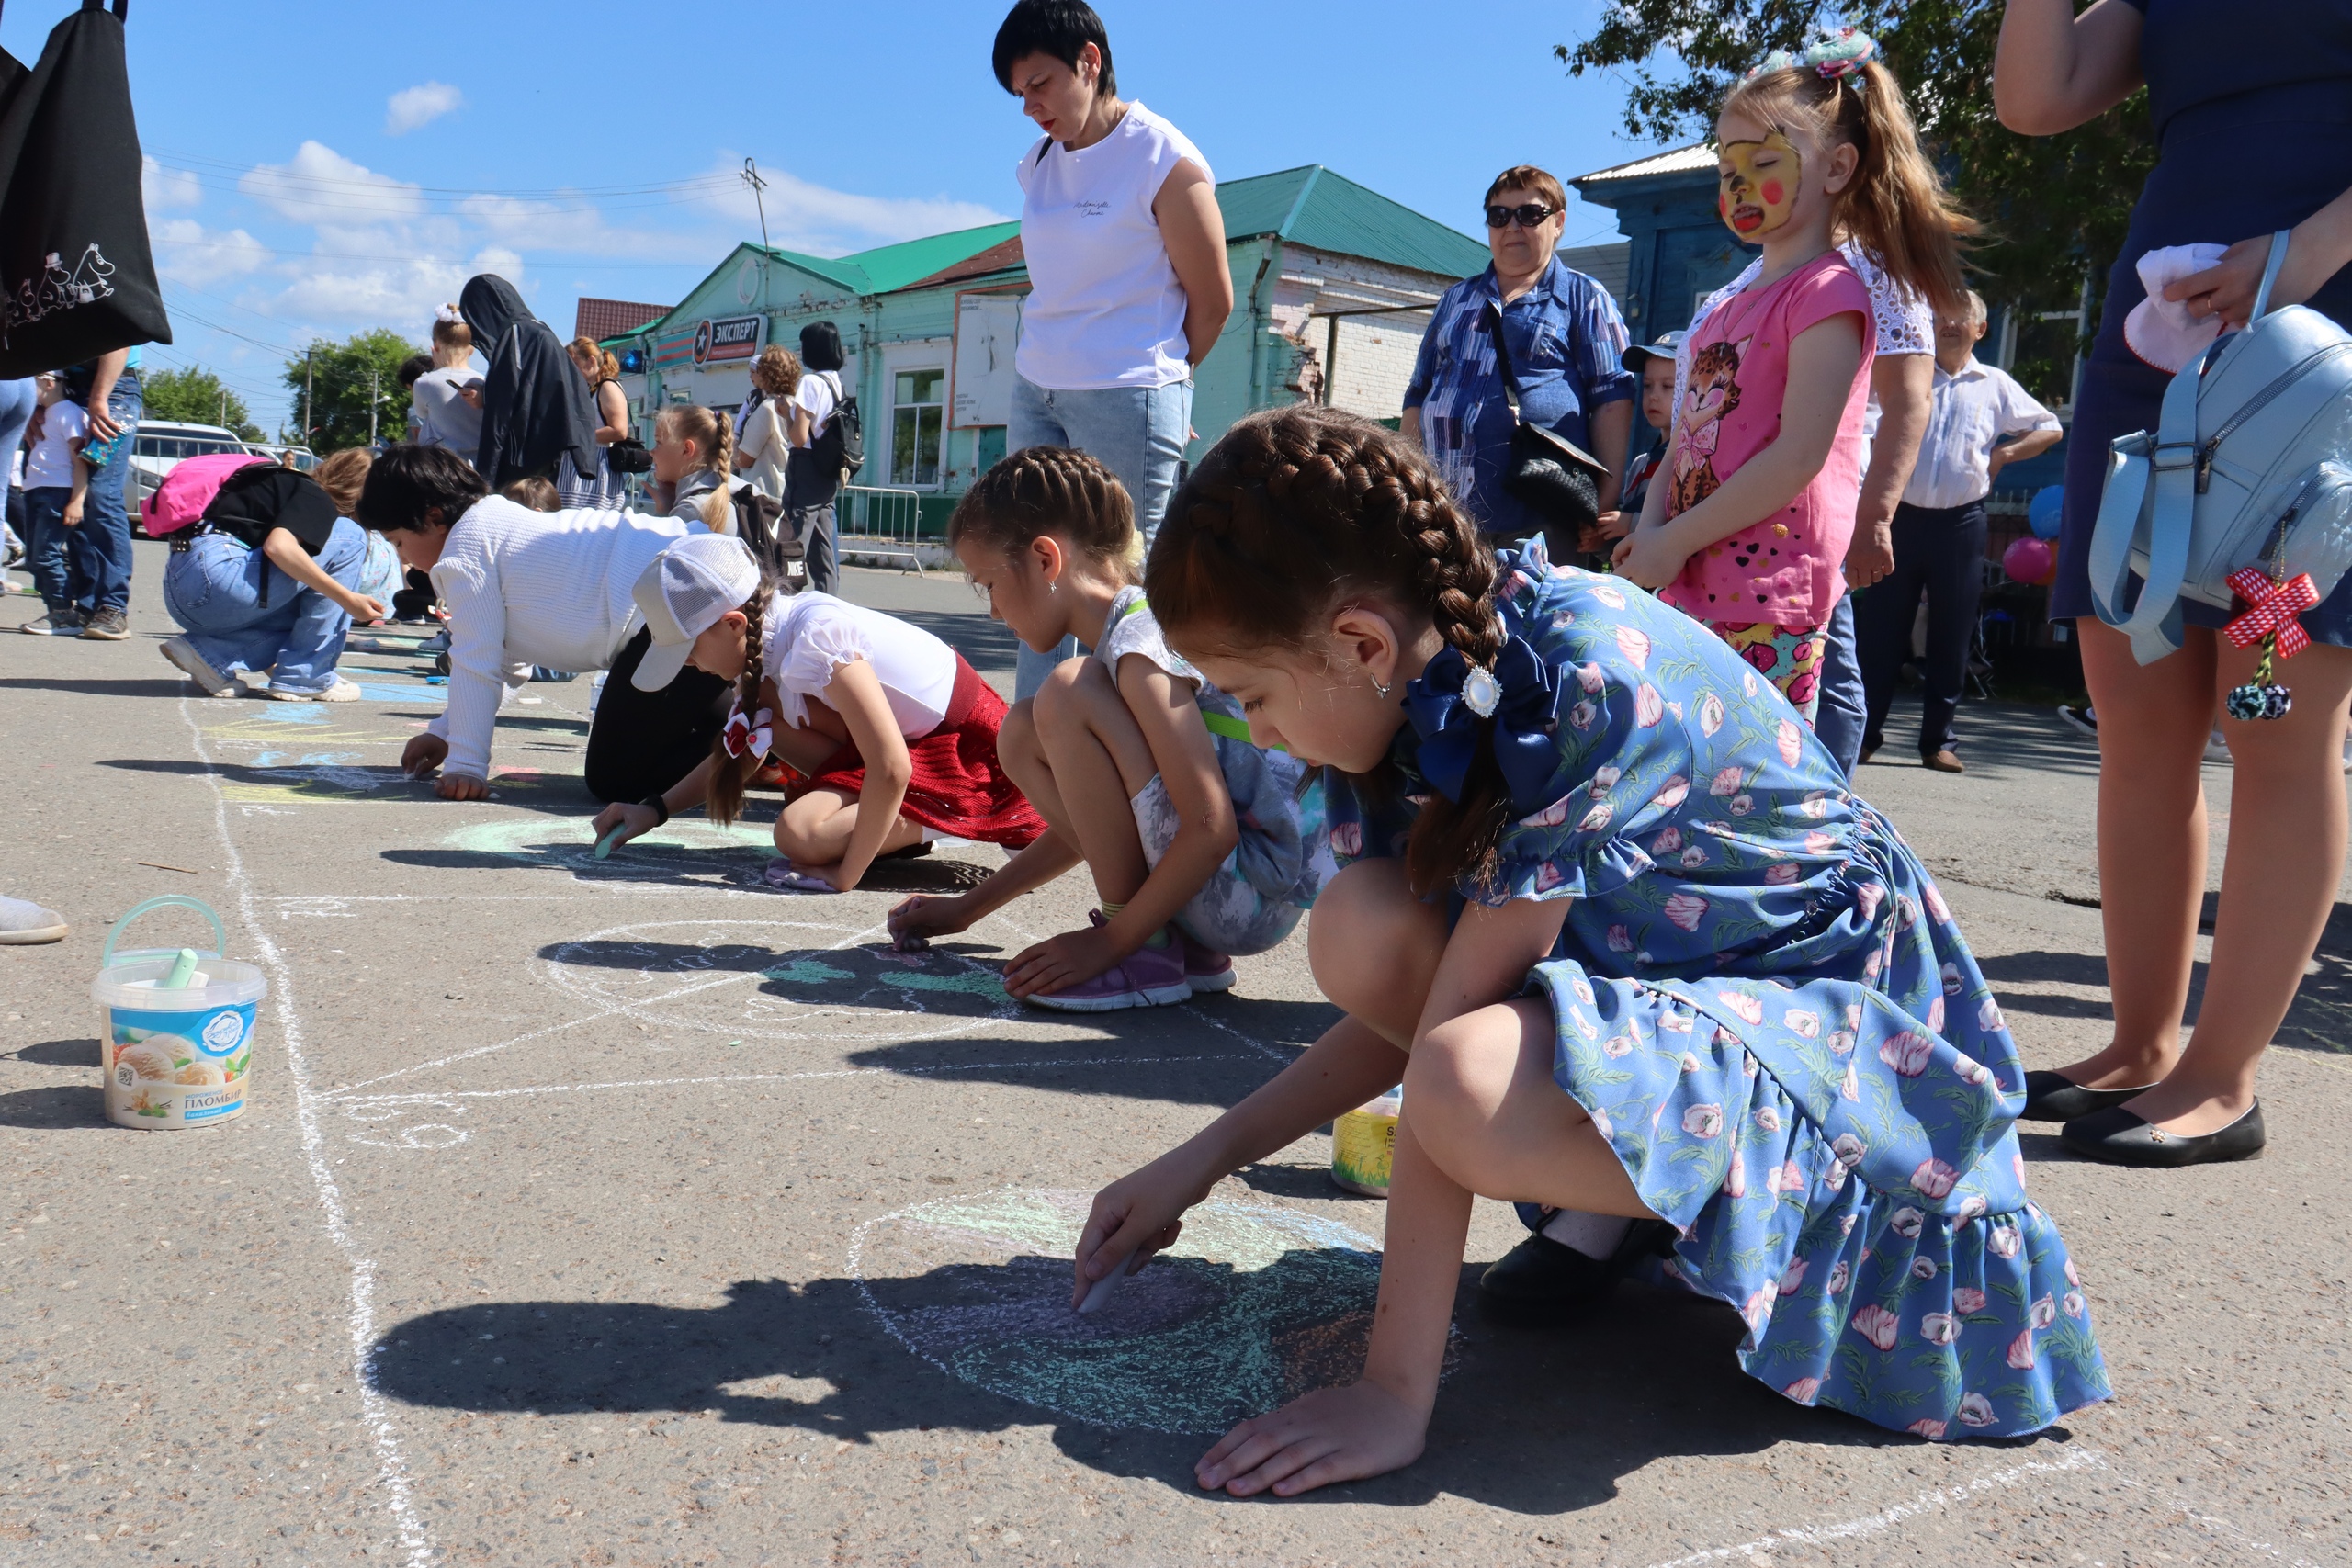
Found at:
(1363, 1145)
(175, 1057)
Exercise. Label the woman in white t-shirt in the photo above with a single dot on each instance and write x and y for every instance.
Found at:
(766, 444)
(1128, 282)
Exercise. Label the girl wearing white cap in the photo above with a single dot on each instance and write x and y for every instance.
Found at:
(890, 736)
(526, 588)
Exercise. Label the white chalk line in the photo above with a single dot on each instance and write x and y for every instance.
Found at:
(392, 1467)
(1937, 1499)
(441, 1097)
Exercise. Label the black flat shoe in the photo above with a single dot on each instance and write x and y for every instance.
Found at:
(2049, 1098)
(1541, 1280)
(2117, 1136)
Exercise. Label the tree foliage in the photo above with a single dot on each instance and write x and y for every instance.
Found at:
(343, 377)
(195, 396)
(2056, 208)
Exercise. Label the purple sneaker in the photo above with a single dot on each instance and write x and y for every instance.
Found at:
(1205, 969)
(1148, 977)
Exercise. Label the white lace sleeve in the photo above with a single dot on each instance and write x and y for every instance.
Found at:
(1905, 322)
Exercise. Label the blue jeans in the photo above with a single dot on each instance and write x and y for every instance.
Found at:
(17, 400)
(102, 544)
(49, 546)
(1138, 432)
(1842, 714)
(215, 588)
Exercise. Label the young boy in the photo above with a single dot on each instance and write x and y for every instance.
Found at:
(1979, 420)
(1653, 363)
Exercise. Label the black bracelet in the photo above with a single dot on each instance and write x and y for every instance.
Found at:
(660, 808)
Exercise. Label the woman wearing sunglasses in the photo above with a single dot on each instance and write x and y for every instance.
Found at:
(1561, 335)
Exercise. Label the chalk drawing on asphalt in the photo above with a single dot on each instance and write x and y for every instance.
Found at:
(1253, 1307)
(778, 980)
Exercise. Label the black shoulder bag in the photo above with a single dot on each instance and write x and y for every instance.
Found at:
(76, 277)
(1548, 474)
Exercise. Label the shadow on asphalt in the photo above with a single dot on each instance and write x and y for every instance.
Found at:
(56, 1106)
(1536, 1421)
(57, 1054)
(165, 686)
(2320, 1019)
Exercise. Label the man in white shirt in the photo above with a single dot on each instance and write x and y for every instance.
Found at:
(1979, 422)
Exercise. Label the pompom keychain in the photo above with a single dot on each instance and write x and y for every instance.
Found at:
(2273, 602)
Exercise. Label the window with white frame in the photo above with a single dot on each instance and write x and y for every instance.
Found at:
(918, 425)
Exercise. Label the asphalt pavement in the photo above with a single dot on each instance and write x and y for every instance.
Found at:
(620, 1211)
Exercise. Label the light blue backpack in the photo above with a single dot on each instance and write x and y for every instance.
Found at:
(2251, 465)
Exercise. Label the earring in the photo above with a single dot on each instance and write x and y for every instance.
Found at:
(1379, 686)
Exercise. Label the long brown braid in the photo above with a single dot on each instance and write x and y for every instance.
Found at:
(1296, 513)
(729, 775)
(1050, 489)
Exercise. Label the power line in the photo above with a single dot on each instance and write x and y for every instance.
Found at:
(714, 181)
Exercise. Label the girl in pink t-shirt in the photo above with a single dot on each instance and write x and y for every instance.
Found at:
(1749, 530)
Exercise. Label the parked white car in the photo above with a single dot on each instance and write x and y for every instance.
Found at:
(159, 446)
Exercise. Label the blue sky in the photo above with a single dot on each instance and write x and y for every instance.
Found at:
(318, 169)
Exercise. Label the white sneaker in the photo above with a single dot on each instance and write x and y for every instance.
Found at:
(23, 922)
(2217, 750)
(342, 691)
(212, 681)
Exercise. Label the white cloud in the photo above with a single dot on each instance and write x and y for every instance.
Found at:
(162, 189)
(320, 186)
(412, 107)
(805, 216)
(339, 296)
(186, 251)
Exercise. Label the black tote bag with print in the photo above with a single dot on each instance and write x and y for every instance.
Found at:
(77, 276)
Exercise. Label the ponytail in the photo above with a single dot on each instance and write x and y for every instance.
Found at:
(713, 433)
(729, 775)
(1895, 207)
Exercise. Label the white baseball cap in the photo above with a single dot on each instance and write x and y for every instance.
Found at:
(684, 593)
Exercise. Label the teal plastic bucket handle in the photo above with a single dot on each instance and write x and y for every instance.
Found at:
(113, 933)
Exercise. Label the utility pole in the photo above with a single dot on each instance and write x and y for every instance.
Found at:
(752, 178)
(224, 407)
(375, 396)
(309, 373)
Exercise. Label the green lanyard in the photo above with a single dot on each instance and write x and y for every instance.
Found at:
(1218, 724)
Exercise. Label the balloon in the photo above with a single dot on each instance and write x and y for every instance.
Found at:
(2030, 561)
(2042, 513)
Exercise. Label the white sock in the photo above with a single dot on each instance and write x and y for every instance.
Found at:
(1595, 1236)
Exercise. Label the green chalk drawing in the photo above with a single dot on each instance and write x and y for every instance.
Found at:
(531, 839)
(1253, 1307)
(978, 985)
(806, 971)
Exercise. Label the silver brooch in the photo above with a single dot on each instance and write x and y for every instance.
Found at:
(1481, 691)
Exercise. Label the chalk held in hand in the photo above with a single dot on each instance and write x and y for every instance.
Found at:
(1101, 1289)
(605, 845)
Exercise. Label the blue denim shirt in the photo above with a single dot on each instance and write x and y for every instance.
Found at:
(1564, 336)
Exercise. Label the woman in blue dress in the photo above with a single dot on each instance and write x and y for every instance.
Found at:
(2252, 105)
(1680, 972)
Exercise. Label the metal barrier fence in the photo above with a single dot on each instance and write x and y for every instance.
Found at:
(873, 522)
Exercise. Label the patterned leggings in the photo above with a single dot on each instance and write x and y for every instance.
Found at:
(1788, 657)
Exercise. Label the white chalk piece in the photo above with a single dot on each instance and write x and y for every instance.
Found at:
(605, 845)
(1103, 1287)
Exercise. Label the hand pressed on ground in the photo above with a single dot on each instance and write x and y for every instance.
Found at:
(1060, 962)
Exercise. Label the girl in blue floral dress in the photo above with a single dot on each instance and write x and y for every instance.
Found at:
(1742, 1006)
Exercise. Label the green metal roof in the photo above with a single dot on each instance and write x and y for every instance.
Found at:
(886, 267)
(1312, 205)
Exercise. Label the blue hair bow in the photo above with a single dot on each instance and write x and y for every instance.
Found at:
(1525, 693)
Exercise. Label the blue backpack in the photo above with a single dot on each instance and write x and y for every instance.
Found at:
(2251, 465)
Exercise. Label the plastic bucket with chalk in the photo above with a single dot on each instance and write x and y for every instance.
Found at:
(175, 1027)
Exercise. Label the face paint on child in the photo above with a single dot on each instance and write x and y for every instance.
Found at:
(1756, 185)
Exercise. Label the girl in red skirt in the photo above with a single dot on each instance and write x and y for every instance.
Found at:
(887, 735)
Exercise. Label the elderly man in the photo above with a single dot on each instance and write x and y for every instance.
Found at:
(1563, 336)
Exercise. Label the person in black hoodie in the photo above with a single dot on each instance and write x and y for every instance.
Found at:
(268, 579)
(538, 419)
